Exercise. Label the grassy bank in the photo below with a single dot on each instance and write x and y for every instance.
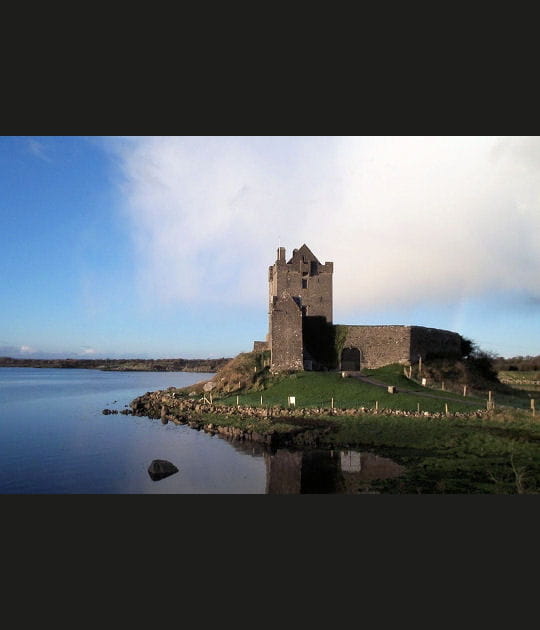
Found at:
(324, 389)
(498, 453)
(495, 452)
(469, 450)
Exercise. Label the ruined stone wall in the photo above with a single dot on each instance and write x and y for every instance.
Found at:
(260, 346)
(426, 342)
(303, 277)
(308, 279)
(286, 335)
(380, 345)
(277, 276)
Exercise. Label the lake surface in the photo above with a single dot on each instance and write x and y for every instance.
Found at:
(55, 440)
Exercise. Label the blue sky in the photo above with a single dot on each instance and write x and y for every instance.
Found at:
(160, 246)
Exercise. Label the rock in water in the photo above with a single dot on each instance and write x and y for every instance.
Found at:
(161, 468)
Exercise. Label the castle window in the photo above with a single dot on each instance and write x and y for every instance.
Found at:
(304, 283)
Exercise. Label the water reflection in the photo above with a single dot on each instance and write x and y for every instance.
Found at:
(319, 471)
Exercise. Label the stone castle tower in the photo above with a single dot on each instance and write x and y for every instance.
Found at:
(299, 289)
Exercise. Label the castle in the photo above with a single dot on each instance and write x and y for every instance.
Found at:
(302, 336)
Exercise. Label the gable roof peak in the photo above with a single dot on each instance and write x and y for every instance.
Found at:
(305, 253)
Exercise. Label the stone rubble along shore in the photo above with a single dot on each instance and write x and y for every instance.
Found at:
(163, 404)
(522, 381)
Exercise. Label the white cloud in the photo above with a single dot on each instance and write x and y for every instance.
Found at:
(26, 349)
(37, 149)
(404, 219)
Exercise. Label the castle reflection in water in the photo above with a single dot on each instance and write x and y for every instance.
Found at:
(321, 471)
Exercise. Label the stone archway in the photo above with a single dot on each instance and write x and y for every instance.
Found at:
(350, 360)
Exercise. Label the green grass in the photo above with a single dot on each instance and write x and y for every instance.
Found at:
(317, 389)
(497, 454)
(393, 375)
(512, 375)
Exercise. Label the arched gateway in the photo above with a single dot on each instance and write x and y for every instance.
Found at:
(350, 360)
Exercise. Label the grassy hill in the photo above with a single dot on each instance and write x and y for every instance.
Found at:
(246, 380)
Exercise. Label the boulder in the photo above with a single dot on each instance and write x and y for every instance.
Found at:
(161, 468)
(208, 387)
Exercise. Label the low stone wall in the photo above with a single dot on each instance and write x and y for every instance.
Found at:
(197, 414)
(510, 381)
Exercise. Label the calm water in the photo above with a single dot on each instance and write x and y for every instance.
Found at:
(54, 439)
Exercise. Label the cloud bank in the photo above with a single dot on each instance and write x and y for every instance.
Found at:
(406, 219)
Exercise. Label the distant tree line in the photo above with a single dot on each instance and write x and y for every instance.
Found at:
(490, 361)
(149, 365)
(518, 364)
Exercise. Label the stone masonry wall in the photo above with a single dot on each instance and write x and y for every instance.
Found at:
(380, 345)
(286, 335)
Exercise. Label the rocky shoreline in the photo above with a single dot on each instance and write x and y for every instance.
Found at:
(274, 426)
